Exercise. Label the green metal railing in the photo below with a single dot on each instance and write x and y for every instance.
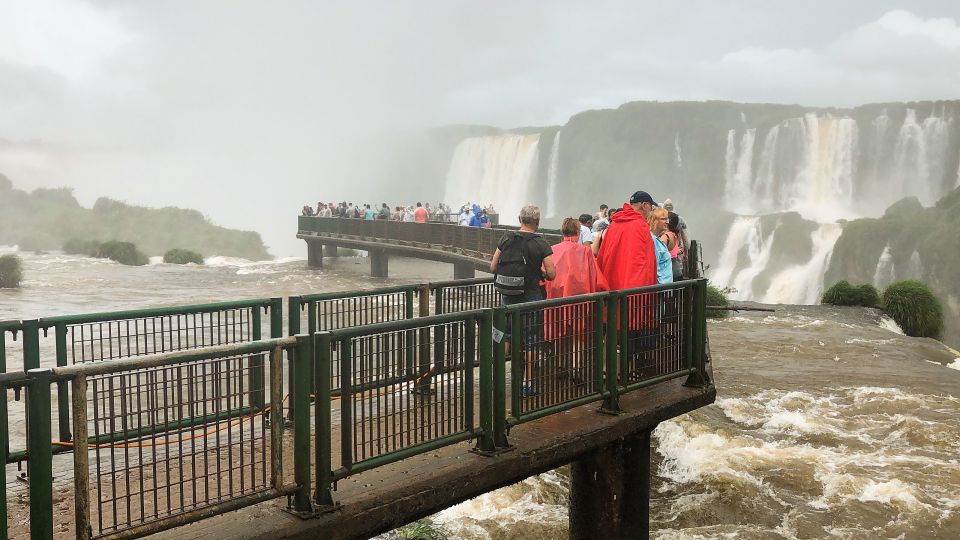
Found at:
(163, 439)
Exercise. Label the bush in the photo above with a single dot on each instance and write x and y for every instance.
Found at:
(75, 246)
(182, 256)
(717, 298)
(122, 252)
(11, 271)
(842, 293)
(914, 307)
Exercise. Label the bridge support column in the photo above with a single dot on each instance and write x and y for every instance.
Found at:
(314, 254)
(330, 250)
(610, 491)
(463, 271)
(379, 262)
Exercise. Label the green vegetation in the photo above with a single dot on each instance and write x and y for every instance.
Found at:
(11, 271)
(46, 219)
(421, 530)
(842, 293)
(122, 252)
(182, 256)
(914, 307)
(717, 298)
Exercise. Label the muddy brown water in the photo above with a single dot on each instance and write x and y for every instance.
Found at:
(828, 424)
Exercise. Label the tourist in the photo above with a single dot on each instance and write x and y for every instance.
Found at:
(306, 210)
(368, 213)
(683, 235)
(521, 260)
(586, 235)
(577, 269)
(464, 218)
(602, 219)
(408, 214)
(676, 252)
(657, 219)
(598, 236)
(475, 219)
(327, 211)
(420, 215)
(485, 220)
(384, 212)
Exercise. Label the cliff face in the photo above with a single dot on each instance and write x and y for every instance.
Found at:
(46, 218)
(908, 242)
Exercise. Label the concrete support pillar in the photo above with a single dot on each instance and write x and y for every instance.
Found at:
(610, 492)
(314, 254)
(463, 271)
(379, 263)
(330, 250)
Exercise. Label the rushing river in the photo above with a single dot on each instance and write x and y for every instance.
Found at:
(827, 424)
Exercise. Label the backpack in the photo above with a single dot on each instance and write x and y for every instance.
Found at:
(510, 278)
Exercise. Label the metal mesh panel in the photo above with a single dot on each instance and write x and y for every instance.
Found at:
(467, 297)
(107, 340)
(337, 313)
(653, 343)
(187, 449)
(559, 355)
(397, 398)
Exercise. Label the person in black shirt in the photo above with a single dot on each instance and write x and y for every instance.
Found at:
(538, 257)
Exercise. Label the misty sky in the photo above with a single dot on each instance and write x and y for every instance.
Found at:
(246, 110)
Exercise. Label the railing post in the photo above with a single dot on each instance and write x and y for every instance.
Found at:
(423, 350)
(301, 425)
(276, 418)
(81, 459)
(611, 404)
(63, 394)
(699, 345)
(486, 442)
(440, 344)
(518, 363)
(599, 339)
(693, 261)
(499, 379)
(257, 387)
(4, 450)
(40, 452)
(276, 317)
(31, 345)
(293, 328)
(322, 428)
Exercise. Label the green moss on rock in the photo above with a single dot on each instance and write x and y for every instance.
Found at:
(914, 307)
(11, 271)
(122, 252)
(182, 256)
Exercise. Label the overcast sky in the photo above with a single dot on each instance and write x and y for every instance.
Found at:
(245, 109)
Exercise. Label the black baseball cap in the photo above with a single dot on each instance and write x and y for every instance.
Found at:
(642, 197)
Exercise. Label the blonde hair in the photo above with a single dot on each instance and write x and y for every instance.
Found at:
(570, 227)
(654, 215)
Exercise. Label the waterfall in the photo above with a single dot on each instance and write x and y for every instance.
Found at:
(551, 209)
(914, 267)
(765, 186)
(935, 138)
(803, 284)
(758, 250)
(739, 189)
(494, 169)
(730, 254)
(677, 154)
(884, 275)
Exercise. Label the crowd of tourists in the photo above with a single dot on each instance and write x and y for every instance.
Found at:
(470, 214)
(643, 243)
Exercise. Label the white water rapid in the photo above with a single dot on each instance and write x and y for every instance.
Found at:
(494, 169)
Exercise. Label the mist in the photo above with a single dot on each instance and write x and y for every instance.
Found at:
(247, 111)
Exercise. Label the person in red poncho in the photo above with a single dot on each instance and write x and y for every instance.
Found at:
(570, 327)
(628, 260)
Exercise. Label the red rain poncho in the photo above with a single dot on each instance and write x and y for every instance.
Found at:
(628, 260)
(577, 273)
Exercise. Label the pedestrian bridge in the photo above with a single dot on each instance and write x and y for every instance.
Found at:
(379, 407)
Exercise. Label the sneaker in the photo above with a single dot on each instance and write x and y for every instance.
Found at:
(527, 390)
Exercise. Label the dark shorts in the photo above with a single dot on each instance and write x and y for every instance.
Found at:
(531, 323)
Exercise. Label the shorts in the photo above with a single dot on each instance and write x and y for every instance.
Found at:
(531, 323)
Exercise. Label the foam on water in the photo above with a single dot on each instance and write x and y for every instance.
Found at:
(891, 325)
(9, 249)
(955, 364)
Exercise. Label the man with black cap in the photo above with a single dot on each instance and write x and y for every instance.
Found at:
(626, 256)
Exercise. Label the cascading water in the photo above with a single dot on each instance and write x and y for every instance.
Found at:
(739, 188)
(493, 169)
(552, 177)
(884, 274)
(759, 249)
(803, 284)
(730, 253)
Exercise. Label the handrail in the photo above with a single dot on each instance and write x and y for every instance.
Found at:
(47, 322)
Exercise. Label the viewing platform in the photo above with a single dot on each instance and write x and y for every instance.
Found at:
(363, 411)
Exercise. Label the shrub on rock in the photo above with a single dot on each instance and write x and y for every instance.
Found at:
(122, 252)
(11, 271)
(914, 307)
(182, 256)
(842, 293)
(716, 298)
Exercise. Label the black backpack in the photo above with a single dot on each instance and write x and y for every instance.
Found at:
(510, 278)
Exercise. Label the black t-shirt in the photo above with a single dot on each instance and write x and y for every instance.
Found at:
(535, 249)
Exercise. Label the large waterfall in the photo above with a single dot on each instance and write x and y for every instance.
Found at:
(787, 175)
(495, 169)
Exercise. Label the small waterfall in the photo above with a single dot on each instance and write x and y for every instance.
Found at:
(759, 250)
(730, 254)
(497, 168)
(914, 267)
(884, 275)
(739, 192)
(765, 186)
(803, 284)
(936, 137)
(677, 154)
(551, 209)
